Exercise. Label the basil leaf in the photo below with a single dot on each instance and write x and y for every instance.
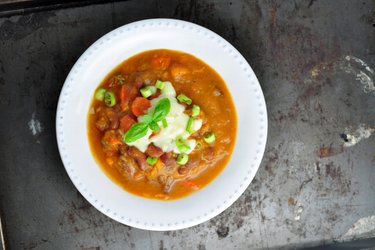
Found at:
(145, 119)
(137, 131)
(161, 110)
(154, 126)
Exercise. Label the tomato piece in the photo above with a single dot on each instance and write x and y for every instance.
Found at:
(123, 93)
(140, 106)
(190, 184)
(128, 93)
(126, 122)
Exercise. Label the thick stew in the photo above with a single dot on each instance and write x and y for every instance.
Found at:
(162, 124)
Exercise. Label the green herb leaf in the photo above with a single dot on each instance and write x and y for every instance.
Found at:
(145, 119)
(154, 126)
(137, 131)
(161, 110)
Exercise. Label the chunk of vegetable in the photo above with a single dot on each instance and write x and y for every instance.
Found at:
(195, 110)
(109, 99)
(182, 145)
(140, 106)
(184, 99)
(126, 122)
(209, 137)
(190, 184)
(146, 92)
(128, 93)
(165, 124)
(182, 159)
(99, 94)
(189, 125)
(151, 160)
(159, 84)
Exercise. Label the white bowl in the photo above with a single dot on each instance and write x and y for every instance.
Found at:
(105, 54)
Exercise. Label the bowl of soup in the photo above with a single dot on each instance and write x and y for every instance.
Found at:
(161, 124)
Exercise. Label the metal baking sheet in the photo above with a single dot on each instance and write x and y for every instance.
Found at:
(315, 62)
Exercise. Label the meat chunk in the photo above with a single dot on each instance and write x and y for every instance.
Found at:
(102, 123)
(168, 159)
(126, 165)
(193, 162)
(208, 154)
(108, 118)
(154, 151)
(139, 157)
(111, 140)
(115, 121)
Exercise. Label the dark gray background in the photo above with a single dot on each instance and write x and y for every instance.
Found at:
(310, 189)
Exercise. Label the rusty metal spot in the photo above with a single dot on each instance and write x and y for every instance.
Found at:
(329, 151)
(291, 201)
(222, 231)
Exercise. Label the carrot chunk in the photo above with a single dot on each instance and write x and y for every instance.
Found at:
(126, 122)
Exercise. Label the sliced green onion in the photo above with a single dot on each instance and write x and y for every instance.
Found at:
(189, 124)
(165, 124)
(154, 126)
(182, 159)
(146, 92)
(159, 84)
(109, 99)
(153, 89)
(99, 94)
(182, 145)
(151, 160)
(184, 99)
(195, 110)
(209, 137)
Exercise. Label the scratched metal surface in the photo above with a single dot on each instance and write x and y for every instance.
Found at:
(312, 59)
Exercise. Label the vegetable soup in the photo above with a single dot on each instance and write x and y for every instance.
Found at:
(162, 124)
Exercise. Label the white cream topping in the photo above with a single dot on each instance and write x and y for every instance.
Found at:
(176, 120)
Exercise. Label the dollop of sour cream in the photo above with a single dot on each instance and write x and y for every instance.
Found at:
(177, 121)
